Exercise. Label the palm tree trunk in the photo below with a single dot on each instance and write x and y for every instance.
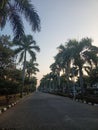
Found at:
(30, 84)
(67, 76)
(58, 75)
(81, 79)
(23, 76)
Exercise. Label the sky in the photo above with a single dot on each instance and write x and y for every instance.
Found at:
(61, 20)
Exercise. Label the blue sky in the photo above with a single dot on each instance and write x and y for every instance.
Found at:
(61, 20)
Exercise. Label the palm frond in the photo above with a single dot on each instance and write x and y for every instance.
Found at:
(36, 48)
(36, 64)
(32, 54)
(17, 24)
(3, 13)
(94, 49)
(85, 43)
(36, 69)
(2, 20)
(21, 56)
(72, 43)
(3, 4)
(30, 13)
(33, 42)
(18, 50)
(61, 48)
(17, 42)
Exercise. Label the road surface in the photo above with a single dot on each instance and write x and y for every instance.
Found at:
(42, 111)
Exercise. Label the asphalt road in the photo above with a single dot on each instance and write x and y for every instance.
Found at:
(42, 111)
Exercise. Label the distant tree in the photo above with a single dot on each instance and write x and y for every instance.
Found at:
(56, 68)
(31, 70)
(31, 67)
(33, 83)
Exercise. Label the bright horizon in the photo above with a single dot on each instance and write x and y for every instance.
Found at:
(61, 20)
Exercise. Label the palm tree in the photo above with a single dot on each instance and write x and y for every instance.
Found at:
(31, 67)
(81, 55)
(44, 84)
(13, 11)
(26, 44)
(56, 68)
(64, 58)
(54, 81)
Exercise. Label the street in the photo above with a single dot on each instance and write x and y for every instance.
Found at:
(42, 111)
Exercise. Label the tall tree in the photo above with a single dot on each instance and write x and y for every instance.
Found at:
(56, 68)
(81, 55)
(26, 45)
(64, 58)
(14, 10)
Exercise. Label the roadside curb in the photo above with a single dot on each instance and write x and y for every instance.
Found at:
(8, 107)
(12, 105)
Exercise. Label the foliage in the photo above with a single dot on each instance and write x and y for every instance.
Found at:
(14, 11)
(6, 56)
(9, 75)
(26, 44)
(73, 59)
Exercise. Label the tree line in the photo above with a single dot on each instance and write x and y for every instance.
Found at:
(13, 79)
(75, 68)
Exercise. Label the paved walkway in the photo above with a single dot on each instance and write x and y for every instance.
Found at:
(43, 111)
